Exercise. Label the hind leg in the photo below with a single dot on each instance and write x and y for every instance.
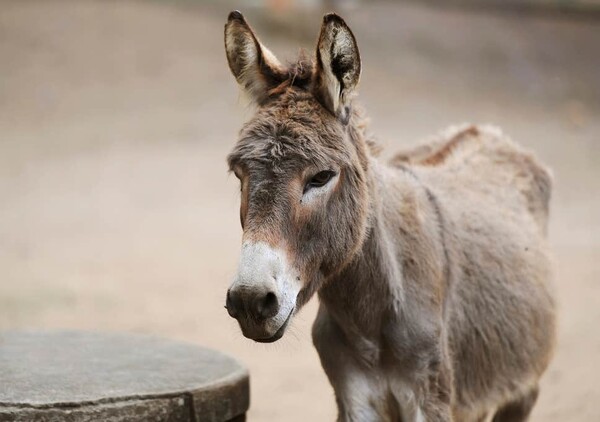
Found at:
(517, 410)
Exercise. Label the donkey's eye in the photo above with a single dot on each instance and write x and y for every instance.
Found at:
(319, 179)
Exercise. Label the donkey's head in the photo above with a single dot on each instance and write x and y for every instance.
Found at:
(302, 164)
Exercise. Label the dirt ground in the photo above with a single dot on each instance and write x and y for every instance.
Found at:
(117, 213)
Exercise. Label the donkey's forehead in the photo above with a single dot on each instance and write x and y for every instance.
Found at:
(284, 152)
(291, 130)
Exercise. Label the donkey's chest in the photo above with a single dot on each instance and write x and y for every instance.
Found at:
(405, 352)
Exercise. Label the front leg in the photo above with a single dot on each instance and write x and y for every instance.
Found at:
(400, 391)
(419, 370)
(359, 388)
(419, 400)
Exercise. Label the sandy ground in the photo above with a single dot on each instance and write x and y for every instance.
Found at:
(117, 213)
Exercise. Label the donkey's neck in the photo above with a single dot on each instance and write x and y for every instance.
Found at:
(376, 283)
(372, 283)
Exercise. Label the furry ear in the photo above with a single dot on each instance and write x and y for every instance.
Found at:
(337, 66)
(255, 68)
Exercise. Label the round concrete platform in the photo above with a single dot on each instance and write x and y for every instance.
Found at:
(82, 376)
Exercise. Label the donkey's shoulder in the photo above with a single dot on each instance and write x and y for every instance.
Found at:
(483, 154)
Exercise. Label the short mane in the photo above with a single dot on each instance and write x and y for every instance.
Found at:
(299, 74)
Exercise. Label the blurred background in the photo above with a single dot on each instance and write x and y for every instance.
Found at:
(117, 211)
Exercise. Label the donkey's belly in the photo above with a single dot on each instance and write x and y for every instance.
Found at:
(502, 324)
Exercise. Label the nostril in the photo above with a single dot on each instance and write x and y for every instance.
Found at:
(270, 300)
(267, 306)
(230, 305)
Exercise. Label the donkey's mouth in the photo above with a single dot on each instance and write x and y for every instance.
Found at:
(279, 332)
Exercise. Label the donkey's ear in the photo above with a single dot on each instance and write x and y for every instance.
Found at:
(255, 68)
(337, 66)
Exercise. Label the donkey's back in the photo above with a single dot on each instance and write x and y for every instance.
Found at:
(494, 198)
(483, 162)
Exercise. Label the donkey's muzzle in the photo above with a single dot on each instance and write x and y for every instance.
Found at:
(263, 295)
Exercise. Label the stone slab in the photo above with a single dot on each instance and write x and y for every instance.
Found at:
(84, 376)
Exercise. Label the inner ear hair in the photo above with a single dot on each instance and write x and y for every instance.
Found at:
(337, 67)
(255, 68)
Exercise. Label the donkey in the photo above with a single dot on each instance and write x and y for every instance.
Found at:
(432, 270)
